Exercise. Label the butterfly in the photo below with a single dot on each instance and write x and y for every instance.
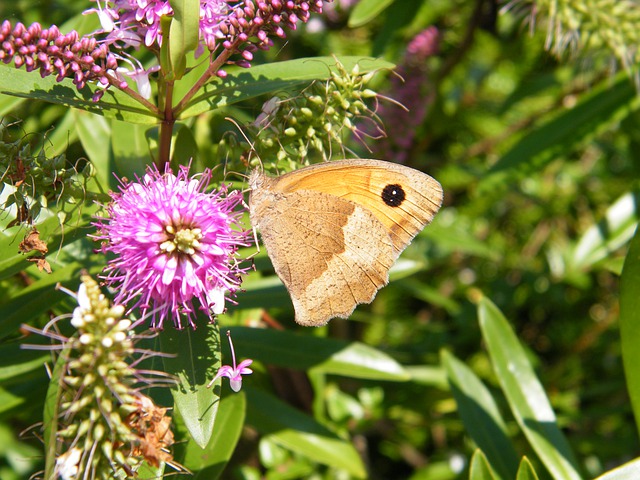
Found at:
(333, 230)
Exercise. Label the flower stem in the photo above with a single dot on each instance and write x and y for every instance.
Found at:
(214, 66)
(166, 128)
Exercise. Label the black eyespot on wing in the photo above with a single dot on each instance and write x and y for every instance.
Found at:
(393, 195)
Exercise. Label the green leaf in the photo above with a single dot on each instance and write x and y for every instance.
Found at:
(114, 103)
(600, 109)
(8, 103)
(185, 147)
(242, 84)
(38, 298)
(630, 323)
(366, 10)
(94, 132)
(428, 375)
(56, 237)
(51, 413)
(526, 397)
(195, 357)
(479, 468)
(303, 352)
(526, 471)
(610, 233)
(183, 33)
(297, 432)
(62, 135)
(131, 153)
(481, 416)
(209, 462)
(16, 361)
(149, 472)
(628, 471)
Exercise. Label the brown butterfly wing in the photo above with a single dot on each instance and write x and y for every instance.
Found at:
(334, 230)
(402, 198)
(330, 253)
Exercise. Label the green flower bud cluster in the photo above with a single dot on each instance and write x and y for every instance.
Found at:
(99, 398)
(314, 123)
(36, 182)
(608, 27)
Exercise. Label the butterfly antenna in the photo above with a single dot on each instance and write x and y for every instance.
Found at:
(252, 149)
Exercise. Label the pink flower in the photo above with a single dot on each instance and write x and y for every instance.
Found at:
(173, 242)
(233, 373)
(53, 53)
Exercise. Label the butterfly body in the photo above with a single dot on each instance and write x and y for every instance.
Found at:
(333, 230)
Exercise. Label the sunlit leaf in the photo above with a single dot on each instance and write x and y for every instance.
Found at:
(183, 34)
(94, 131)
(366, 10)
(242, 84)
(525, 394)
(479, 468)
(195, 357)
(209, 462)
(481, 417)
(300, 433)
(610, 233)
(114, 103)
(628, 471)
(526, 471)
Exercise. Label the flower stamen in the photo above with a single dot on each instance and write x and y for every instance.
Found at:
(185, 240)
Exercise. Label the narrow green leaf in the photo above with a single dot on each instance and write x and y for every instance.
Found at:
(610, 233)
(628, 471)
(479, 468)
(303, 352)
(526, 471)
(195, 357)
(183, 33)
(366, 10)
(94, 132)
(185, 148)
(114, 103)
(10, 400)
(12, 261)
(481, 416)
(51, 413)
(209, 462)
(130, 148)
(242, 84)
(62, 135)
(526, 397)
(630, 323)
(38, 298)
(428, 375)
(165, 60)
(295, 431)
(16, 361)
(8, 103)
(598, 110)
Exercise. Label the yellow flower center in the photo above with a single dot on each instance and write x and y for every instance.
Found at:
(182, 240)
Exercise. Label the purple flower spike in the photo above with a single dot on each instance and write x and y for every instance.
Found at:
(173, 242)
(43, 49)
(233, 373)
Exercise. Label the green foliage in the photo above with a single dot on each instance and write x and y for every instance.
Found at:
(494, 353)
